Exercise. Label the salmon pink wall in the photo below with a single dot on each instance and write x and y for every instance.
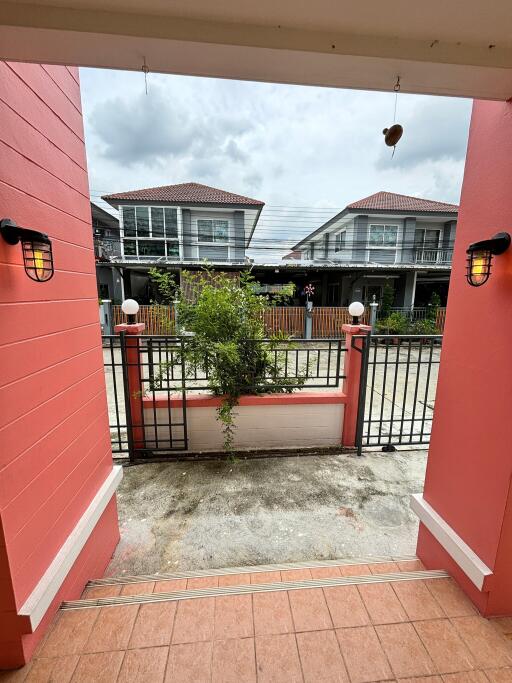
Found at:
(54, 437)
(469, 468)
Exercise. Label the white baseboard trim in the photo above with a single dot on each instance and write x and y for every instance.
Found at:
(476, 570)
(38, 602)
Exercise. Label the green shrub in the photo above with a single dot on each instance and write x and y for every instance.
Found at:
(395, 323)
(226, 322)
(426, 326)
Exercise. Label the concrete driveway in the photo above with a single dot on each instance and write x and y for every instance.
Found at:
(197, 515)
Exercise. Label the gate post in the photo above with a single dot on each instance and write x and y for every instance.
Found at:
(352, 381)
(132, 376)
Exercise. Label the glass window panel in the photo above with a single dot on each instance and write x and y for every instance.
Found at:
(431, 239)
(129, 221)
(390, 235)
(130, 248)
(205, 230)
(418, 238)
(376, 234)
(151, 248)
(171, 222)
(142, 214)
(220, 231)
(173, 249)
(157, 221)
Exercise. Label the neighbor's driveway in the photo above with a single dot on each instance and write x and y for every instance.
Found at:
(184, 516)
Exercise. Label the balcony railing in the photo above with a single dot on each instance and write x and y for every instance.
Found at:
(433, 256)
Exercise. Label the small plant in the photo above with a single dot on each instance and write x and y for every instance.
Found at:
(433, 306)
(388, 297)
(426, 326)
(228, 342)
(395, 323)
(165, 285)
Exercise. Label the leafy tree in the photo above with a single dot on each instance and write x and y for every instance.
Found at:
(165, 284)
(433, 306)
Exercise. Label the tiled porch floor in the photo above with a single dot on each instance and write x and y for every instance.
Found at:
(413, 631)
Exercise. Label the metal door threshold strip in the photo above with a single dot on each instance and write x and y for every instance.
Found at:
(253, 588)
(114, 580)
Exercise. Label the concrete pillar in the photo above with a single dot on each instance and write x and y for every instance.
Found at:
(466, 506)
(410, 289)
(131, 360)
(352, 372)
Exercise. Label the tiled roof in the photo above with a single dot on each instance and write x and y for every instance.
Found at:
(184, 193)
(389, 201)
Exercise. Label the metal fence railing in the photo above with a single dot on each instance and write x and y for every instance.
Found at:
(397, 389)
(164, 369)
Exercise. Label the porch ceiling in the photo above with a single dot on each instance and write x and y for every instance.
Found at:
(445, 47)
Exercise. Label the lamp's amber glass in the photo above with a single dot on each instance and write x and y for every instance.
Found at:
(478, 267)
(38, 260)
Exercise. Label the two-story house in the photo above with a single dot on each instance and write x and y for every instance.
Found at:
(387, 237)
(177, 226)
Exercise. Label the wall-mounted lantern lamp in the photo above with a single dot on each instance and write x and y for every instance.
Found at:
(35, 246)
(479, 259)
(130, 308)
(356, 309)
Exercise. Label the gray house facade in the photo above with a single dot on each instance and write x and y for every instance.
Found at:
(177, 226)
(387, 237)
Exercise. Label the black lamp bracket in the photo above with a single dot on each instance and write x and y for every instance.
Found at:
(499, 243)
(12, 233)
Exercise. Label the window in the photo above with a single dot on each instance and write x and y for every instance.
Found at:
(427, 238)
(383, 235)
(154, 230)
(339, 241)
(212, 231)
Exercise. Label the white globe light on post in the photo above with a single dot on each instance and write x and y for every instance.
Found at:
(356, 309)
(130, 307)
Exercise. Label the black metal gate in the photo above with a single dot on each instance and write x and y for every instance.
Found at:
(397, 389)
(145, 377)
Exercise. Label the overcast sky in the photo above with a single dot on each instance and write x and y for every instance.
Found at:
(305, 151)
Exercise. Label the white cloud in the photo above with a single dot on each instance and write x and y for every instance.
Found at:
(290, 146)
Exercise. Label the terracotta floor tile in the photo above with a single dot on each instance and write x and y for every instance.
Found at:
(465, 677)
(405, 651)
(193, 620)
(234, 579)
(203, 582)
(144, 666)
(422, 679)
(417, 600)
(503, 624)
(189, 663)
(355, 570)
(488, 647)
(70, 633)
(382, 604)
(325, 572)
(346, 606)
(444, 646)
(233, 617)
(59, 669)
(296, 575)
(320, 657)
(452, 600)
(17, 675)
(411, 566)
(100, 667)
(363, 654)
(499, 675)
(153, 625)
(112, 629)
(138, 588)
(384, 568)
(170, 585)
(234, 661)
(309, 609)
(265, 577)
(101, 592)
(272, 613)
(277, 659)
